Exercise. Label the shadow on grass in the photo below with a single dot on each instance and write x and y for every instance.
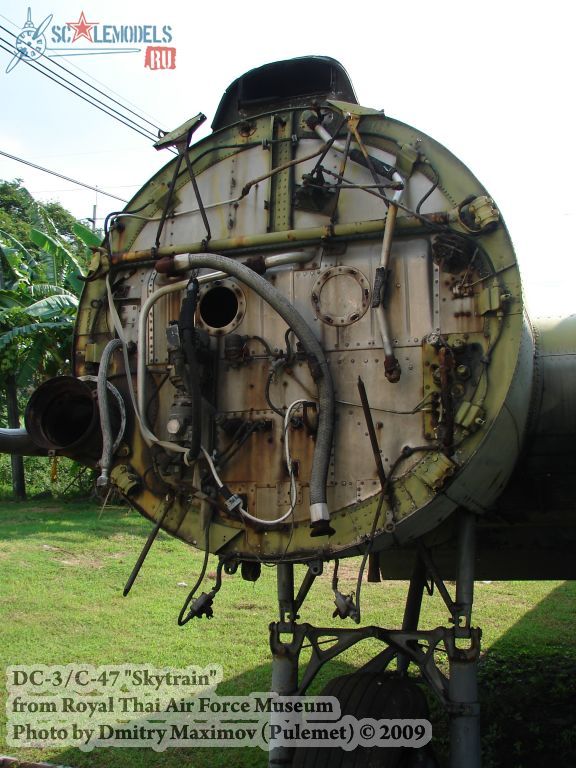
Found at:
(527, 687)
(64, 518)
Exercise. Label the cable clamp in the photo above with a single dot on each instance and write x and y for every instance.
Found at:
(232, 500)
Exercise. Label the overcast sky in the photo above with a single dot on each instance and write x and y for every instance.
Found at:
(491, 81)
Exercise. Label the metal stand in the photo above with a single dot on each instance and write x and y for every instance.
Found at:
(465, 749)
(458, 693)
(285, 655)
(412, 608)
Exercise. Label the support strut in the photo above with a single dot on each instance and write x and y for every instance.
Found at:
(465, 749)
(285, 655)
(458, 694)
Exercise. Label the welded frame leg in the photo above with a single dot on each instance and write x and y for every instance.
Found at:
(285, 655)
(465, 745)
(412, 607)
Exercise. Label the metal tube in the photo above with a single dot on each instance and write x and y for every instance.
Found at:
(326, 137)
(104, 410)
(146, 548)
(19, 443)
(407, 225)
(465, 747)
(285, 587)
(284, 655)
(181, 264)
(466, 559)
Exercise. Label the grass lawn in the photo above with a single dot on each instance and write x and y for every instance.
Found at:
(63, 567)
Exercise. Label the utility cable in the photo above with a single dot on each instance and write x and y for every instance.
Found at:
(108, 110)
(60, 176)
(93, 87)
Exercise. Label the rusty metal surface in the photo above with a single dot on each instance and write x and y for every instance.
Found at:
(432, 428)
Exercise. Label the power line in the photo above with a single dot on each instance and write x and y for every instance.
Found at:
(75, 66)
(93, 87)
(86, 97)
(61, 176)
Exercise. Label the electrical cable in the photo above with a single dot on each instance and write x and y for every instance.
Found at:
(267, 393)
(93, 87)
(224, 458)
(417, 408)
(264, 343)
(241, 509)
(110, 111)
(61, 176)
(429, 192)
(288, 458)
(200, 579)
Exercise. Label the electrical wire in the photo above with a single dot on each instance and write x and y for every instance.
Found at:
(427, 194)
(289, 464)
(267, 393)
(79, 69)
(241, 509)
(200, 579)
(224, 458)
(88, 98)
(61, 176)
(417, 408)
(93, 87)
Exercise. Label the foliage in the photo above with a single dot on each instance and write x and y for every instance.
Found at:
(19, 212)
(42, 257)
(68, 480)
(40, 283)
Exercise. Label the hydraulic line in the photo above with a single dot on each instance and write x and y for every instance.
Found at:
(181, 264)
(319, 515)
(103, 407)
(191, 371)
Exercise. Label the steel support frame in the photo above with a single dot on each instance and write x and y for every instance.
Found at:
(458, 693)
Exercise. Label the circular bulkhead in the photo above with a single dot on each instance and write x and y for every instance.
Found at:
(402, 269)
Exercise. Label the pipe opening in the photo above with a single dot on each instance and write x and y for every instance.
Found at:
(61, 413)
(218, 307)
(67, 420)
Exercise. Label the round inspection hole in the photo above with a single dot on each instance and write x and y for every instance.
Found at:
(221, 308)
(340, 295)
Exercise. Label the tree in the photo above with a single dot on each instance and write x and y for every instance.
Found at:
(40, 282)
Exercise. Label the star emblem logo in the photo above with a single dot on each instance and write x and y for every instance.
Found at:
(82, 28)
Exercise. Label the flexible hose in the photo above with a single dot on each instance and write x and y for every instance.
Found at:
(179, 264)
(105, 426)
(321, 372)
(191, 369)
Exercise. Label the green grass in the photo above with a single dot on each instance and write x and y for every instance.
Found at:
(63, 567)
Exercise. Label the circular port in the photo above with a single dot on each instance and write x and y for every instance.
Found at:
(62, 414)
(221, 307)
(340, 295)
